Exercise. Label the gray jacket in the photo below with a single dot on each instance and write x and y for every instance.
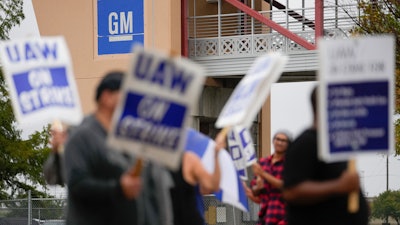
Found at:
(93, 171)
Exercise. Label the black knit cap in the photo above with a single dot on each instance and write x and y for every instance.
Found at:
(111, 81)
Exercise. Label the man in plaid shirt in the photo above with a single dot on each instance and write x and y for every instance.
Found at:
(266, 185)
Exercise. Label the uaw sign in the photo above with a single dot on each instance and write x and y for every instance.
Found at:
(241, 149)
(39, 75)
(356, 96)
(159, 94)
(252, 90)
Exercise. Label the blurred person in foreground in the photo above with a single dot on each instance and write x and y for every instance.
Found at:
(101, 188)
(174, 197)
(317, 192)
(192, 180)
(267, 184)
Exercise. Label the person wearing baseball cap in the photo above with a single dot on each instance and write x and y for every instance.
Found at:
(101, 188)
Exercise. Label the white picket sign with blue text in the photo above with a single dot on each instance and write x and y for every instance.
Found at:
(40, 79)
(356, 103)
(252, 91)
(159, 94)
(242, 150)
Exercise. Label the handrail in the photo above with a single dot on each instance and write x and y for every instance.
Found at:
(332, 20)
(294, 14)
(236, 34)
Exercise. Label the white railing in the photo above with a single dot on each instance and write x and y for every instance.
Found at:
(238, 34)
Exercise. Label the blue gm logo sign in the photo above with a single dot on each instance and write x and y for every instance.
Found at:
(120, 24)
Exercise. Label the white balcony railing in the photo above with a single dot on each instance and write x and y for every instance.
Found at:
(238, 34)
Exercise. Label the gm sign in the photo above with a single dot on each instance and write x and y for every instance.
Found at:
(120, 24)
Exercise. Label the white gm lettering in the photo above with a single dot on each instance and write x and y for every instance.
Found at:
(121, 23)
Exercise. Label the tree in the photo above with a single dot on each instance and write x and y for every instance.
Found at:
(382, 17)
(21, 161)
(11, 14)
(387, 204)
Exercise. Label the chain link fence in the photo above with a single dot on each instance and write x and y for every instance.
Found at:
(33, 211)
(51, 211)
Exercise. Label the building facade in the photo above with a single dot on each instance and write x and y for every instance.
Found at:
(224, 36)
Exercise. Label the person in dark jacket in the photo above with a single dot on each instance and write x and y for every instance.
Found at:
(101, 187)
(317, 192)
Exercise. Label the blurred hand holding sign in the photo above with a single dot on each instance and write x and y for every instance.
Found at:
(245, 102)
(356, 97)
(158, 97)
(40, 79)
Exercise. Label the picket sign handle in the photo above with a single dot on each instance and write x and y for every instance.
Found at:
(353, 199)
(57, 125)
(137, 169)
(225, 130)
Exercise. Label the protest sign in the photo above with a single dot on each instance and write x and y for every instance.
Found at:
(356, 96)
(241, 149)
(40, 80)
(251, 92)
(231, 189)
(158, 97)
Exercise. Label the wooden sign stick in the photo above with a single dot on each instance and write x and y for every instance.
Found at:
(353, 200)
(137, 169)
